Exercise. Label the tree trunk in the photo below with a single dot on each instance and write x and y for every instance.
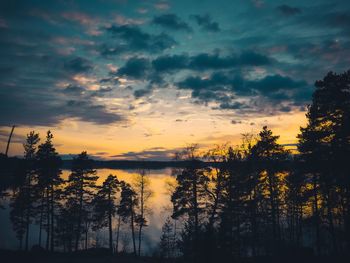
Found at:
(79, 221)
(132, 228)
(41, 219)
(117, 241)
(47, 219)
(29, 199)
(110, 224)
(140, 237)
(52, 243)
(27, 230)
(331, 223)
(317, 218)
(86, 236)
(142, 212)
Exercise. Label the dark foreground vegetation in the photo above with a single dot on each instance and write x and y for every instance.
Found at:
(256, 202)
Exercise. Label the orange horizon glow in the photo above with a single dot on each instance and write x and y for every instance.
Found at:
(73, 137)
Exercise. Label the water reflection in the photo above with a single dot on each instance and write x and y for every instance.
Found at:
(159, 204)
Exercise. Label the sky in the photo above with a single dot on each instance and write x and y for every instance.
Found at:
(140, 79)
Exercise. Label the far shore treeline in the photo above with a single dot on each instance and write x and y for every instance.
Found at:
(255, 200)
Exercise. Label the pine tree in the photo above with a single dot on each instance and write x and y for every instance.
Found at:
(267, 154)
(105, 207)
(190, 196)
(141, 186)
(127, 207)
(324, 145)
(49, 183)
(79, 192)
(17, 216)
(167, 243)
(30, 173)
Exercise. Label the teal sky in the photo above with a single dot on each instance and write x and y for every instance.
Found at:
(141, 70)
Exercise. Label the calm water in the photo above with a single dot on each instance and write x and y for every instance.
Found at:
(159, 205)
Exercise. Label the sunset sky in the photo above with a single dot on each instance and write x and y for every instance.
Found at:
(140, 79)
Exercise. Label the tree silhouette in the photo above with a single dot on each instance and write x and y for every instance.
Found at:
(49, 182)
(167, 243)
(23, 205)
(18, 217)
(190, 196)
(105, 207)
(325, 148)
(127, 206)
(266, 152)
(141, 187)
(80, 189)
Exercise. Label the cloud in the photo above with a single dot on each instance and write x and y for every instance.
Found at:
(275, 91)
(171, 21)
(206, 23)
(101, 92)
(274, 83)
(78, 65)
(45, 107)
(135, 68)
(235, 122)
(205, 61)
(142, 92)
(169, 63)
(87, 111)
(16, 138)
(233, 105)
(74, 90)
(155, 153)
(288, 10)
(131, 38)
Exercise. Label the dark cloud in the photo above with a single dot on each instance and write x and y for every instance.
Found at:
(142, 92)
(224, 88)
(285, 108)
(155, 153)
(74, 90)
(251, 58)
(205, 61)
(101, 92)
(217, 81)
(205, 22)
(235, 122)
(210, 61)
(171, 21)
(233, 105)
(275, 83)
(131, 38)
(87, 111)
(288, 10)
(169, 63)
(45, 106)
(340, 19)
(135, 68)
(78, 65)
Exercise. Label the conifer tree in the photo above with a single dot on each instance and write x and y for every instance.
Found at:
(49, 183)
(105, 206)
(127, 207)
(80, 190)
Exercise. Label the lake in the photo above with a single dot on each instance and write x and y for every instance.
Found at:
(159, 204)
